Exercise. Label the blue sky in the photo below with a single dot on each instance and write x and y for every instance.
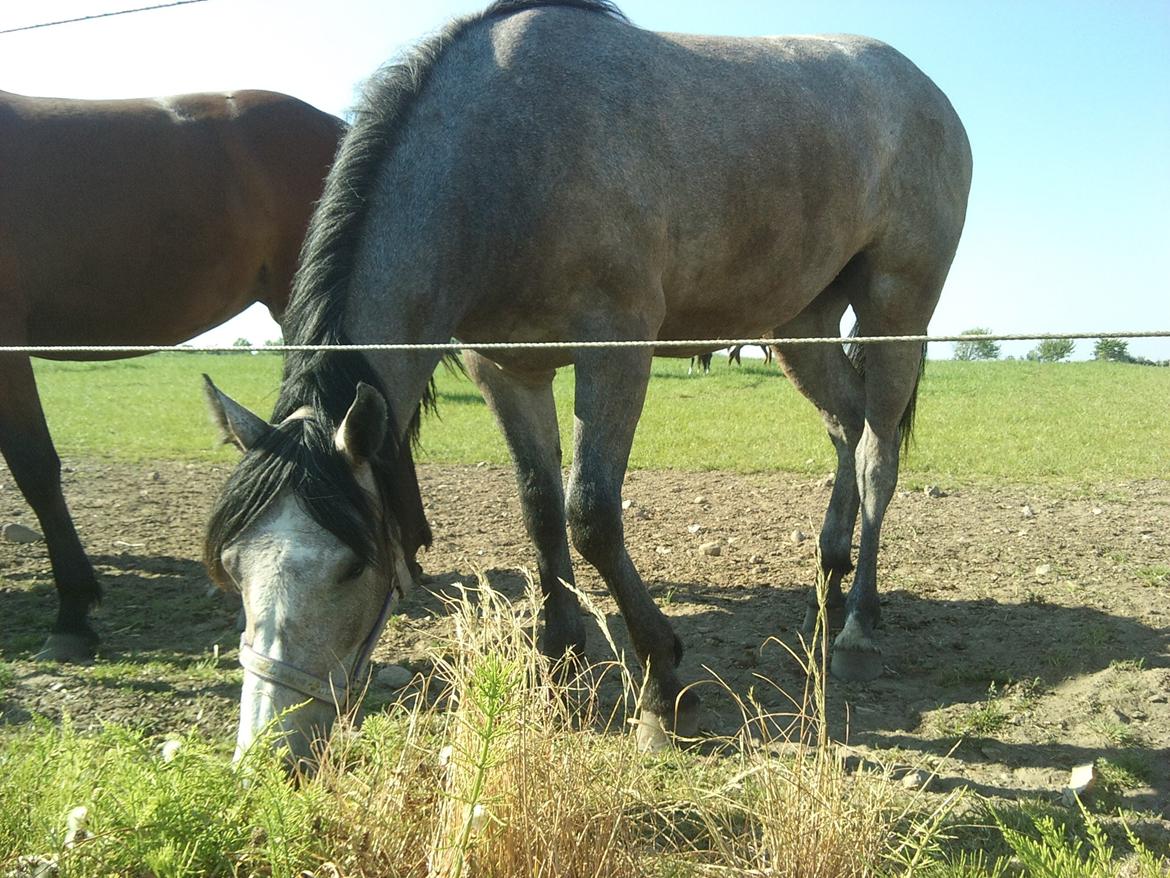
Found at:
(1067, 105)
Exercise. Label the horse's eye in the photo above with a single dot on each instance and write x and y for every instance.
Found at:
(354, 570)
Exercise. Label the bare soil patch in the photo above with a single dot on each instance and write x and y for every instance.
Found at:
(1018, 642)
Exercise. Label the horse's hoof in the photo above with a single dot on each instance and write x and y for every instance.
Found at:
(653, 734)
(73, 649)
(856, 665)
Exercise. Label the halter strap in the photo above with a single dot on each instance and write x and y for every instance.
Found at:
(323, 689)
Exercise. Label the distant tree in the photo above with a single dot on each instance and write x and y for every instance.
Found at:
(241, 343)
(976, 349)
(273, 342)
(1115, 350)
(1052, 350)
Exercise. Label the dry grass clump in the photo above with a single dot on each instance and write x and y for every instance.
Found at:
(494, 767)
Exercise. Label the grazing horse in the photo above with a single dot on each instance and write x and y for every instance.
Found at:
(733, 354)
(546, 171)
(137, 222)
(703, 361)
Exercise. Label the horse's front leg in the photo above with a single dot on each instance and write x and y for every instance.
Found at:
(610, 391)
(526, 413)
(28, 448)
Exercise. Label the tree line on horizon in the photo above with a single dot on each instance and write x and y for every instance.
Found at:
(1049, 350)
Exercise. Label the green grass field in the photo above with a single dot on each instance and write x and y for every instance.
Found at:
(1082, 422)
(383, 805)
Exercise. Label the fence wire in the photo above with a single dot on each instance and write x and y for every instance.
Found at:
(97, 15)
(700, 344)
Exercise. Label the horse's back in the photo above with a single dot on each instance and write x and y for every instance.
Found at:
(729, 170)
(152, 219)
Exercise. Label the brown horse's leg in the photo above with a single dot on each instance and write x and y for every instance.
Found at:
(524, 408)
(28, 448)
(610, 391)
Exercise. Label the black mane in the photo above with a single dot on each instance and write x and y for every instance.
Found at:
(299, 454)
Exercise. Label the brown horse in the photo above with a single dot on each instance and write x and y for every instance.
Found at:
(141, 221)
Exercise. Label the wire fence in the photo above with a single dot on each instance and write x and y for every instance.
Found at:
(701, 344)
(97, 15)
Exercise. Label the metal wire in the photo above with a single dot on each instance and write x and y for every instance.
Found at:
(449, 347)
(13, 30)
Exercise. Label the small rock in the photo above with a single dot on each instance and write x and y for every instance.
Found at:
(1117, 716)
(714, 549)
(756, 559)
(156, 476)
(33, 867)
(75, 823)
(18, 533)
(916, 779)
(662, 550)
(393, 676)
(695, 528)
(798, 537)
(701, 499)
(627, 504)
(1043, 569)
(827, 481)
(1027, 512)
(1097, 510)
(933, 491)
(1081, 781)
(641, 513)
(994, 752)
(170, 749)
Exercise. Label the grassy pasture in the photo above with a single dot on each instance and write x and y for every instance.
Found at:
(496, 778)
(460, 792)
(978, 421)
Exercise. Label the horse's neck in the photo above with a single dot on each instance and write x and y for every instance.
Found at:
(405, 374)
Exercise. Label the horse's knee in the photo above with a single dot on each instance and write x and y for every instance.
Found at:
(540, 502)
(595, 522)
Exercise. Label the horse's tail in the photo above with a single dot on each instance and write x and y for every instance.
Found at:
(856, 354)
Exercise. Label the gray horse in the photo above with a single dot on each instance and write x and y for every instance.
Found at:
(546, 171)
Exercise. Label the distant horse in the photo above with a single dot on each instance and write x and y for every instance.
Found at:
(140, 221)
(734, 353)
(547, 171)
(703, 361)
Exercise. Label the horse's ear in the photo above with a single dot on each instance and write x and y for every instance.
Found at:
(238, 425)
(363, 429)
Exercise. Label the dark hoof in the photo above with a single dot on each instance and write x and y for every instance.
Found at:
(74, 649)
(654, 733)
(856, 665)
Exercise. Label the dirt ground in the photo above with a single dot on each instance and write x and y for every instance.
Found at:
(1025, 629)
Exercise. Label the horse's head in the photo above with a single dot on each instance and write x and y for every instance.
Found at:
(302, 530)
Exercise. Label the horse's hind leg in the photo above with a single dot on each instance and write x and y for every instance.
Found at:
(893, 304)
(824, 374)
(28, 448)
(524, 408)
(610, 391)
